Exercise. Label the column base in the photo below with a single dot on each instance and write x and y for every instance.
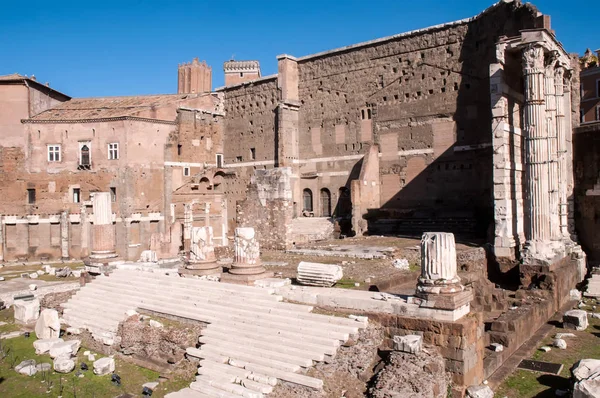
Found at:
(97, 266)
(543, 253)
(449, 302)
(245, 279)
(188, 272)
(246, 269)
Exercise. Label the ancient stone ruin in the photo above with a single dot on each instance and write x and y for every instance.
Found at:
(460, 135)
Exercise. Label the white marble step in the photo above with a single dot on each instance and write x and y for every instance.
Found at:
(208, 367)
(223, 318)
(223, 384)
(303, 360)
(249, 357)
(281, 374)
(313, 352)
(187, 393)
(193, 282)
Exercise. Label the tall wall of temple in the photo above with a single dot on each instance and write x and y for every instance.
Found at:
(422, 97)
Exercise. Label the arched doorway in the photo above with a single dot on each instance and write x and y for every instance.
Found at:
(325, 203)
(307, 200)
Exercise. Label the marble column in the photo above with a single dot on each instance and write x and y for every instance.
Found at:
(536, 145)
(561, 127)
(439, 274)
(64, 235)
(550, 101)
(247, 253)
(202, 252)
(103, 244)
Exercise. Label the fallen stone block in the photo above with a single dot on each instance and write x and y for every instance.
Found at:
(64, 364)
(26, 367)
(43, 346)
(560, 343)
(33, 287)
(10, 335)
(587, 389)
(497, 347)
(27, 311)
(104, 366)
(66, 348)
(63, 272)
(575, 319)
(155, 324)
(545, 348)
(411, 343)
(575, 294)
(586, 369)
(563, 335)
(148, 256)
(480, 392)
(48, 325)
(317, 274)
(74, 331)
(33, 275)
(401, 263)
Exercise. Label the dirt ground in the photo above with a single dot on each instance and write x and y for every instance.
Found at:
(365, 272)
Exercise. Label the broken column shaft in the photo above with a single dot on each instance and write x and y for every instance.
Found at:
(103, 244)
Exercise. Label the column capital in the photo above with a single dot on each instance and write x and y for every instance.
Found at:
(533, 57)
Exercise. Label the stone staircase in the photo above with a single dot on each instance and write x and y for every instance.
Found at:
(253, 339)
(311, 229)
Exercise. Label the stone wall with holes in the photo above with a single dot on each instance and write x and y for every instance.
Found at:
(423, 97)
(249, 135)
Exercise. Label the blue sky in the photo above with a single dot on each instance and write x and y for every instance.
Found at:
(126, 47)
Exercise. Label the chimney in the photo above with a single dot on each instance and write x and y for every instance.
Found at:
(194, 78)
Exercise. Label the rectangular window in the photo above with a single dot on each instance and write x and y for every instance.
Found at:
(85, 156)
(186, 171)
(581, 91)
(76, 195)
(178, 149)
(253, 153)
(113, 151)
(581, 116)
(239, 158)
(219, 160)
(54, 153)
(113, 194)
(31, 196)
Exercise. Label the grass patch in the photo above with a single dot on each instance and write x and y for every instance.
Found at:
(7, 317)
(346, 284)
(525, 384)
(52, 384)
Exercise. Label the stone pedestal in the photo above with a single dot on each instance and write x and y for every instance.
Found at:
(103, 244)
(439, 284)
(103, 255)
(201, 259)
(246, 267)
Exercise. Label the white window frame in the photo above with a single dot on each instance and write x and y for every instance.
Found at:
(221, 162)
(113, 151)
(54, 153)
(187, 171)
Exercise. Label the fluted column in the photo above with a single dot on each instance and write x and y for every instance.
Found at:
(103, 244)
(536, 145)
(550, 100)
(247, 253)
(439, 272)
(559, 84)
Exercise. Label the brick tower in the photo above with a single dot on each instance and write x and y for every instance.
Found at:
(194, 78)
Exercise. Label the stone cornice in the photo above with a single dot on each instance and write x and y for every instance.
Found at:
(106, 119)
